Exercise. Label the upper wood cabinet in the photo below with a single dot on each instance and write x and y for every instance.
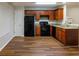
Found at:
(51, 15)
(58, 14)
(30, 12)
(37, 17)
(38, 13)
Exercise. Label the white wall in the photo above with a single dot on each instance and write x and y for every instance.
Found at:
(6, 23)
(73, 12)
(19, 21)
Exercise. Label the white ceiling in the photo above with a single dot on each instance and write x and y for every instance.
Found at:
(32, 4)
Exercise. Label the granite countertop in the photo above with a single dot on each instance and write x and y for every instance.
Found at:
(66, 27)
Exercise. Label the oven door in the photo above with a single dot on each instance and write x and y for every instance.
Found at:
(45, 29)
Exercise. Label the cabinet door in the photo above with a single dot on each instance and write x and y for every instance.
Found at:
(37, 17)
(56, 14)
(33, 12)
(59, 36)
(41, 12)
(37, 30)
(72, 36)
(63, 36)
(46, 12)
(57, 33)
(60, 13)
(51, 30)
(51, 15)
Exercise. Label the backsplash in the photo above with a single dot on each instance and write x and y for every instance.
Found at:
(50, 22)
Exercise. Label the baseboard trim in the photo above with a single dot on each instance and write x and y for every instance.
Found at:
(19, 35)
(6, 43)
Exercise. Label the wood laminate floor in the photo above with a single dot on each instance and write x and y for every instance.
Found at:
(38, 46)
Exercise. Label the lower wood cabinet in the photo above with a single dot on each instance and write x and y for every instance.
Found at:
(71, 36)
(67, 36)
(57, 33)
(63, 37)
(51, 29)
(37, 30)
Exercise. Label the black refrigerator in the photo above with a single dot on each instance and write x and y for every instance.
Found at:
(29, 26)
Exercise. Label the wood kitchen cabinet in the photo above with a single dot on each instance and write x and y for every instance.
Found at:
(37, 17)
(38, 13)
(71, 37)
(51, 29)
(37, 30)
(67, 36)
(30, 12)
(57, 33)
(51, 15)
(42, 13)
(63, 36)
(58, 14)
